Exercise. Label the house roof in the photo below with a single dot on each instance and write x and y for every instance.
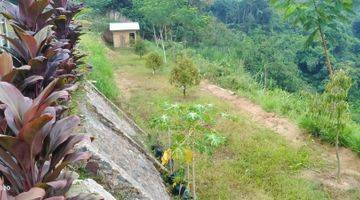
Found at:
(128, 26)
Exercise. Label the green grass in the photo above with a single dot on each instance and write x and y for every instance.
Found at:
(291, 105)
(102, 74)
(76, 97)
(259, 164)
(254, 164)
(254, 159)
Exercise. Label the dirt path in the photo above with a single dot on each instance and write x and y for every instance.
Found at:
(349, 160)
(269, 120)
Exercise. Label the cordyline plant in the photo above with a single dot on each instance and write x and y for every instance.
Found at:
(30, 15)
(37, 147)
(64, 27)
(48, 54)
(47, 58)
(36, 141)
(17, 76)
(66, 30)
(36, 52)
(8, 72)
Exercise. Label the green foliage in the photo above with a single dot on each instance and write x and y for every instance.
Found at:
(356, 28)
(315, 15)
(102, 73)
(255, 162)
(190, 124)
(182, 22)
(101, 6)
(184, 74)
(140, 47)
(329, 114)
(336, 96)
(245, 15)
(190, 129)
(331, 110)
(154, 61)
(98, 5)
(155, 14)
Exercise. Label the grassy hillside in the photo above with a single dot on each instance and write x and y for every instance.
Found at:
(255, 163)
(246, 47)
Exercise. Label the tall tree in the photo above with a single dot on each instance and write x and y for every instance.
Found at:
(170, 16)
(316, 17)
(158, 13)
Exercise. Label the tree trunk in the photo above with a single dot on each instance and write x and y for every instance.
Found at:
(337, 156)
(194, 174)
(338, 131)
(169, 146)
(194, 179)
(155, 37)
(166, 33)
(171, 35)
(326, 53)
(162, 45)
(265, 77)
(188, 175)
(184, 91)
(153, 71)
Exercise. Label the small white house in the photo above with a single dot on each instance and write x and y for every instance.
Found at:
(123, 33)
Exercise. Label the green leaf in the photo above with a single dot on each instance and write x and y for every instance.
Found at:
(311, 38)
(215, 140)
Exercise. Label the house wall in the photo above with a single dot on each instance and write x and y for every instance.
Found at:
(122, 38)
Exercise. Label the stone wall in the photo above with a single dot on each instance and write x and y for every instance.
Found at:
(119, 159)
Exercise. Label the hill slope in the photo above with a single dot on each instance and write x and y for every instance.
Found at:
(256, 163)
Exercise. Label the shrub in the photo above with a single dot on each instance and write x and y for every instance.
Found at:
(329, 113)
(184, 74)
(154, 61)
(140, 48)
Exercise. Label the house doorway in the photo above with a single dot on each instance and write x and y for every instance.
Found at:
(132, 36)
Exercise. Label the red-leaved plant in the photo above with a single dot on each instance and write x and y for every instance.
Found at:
(30, 15)
(38, 147)
(36, 141)
(8, 72)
